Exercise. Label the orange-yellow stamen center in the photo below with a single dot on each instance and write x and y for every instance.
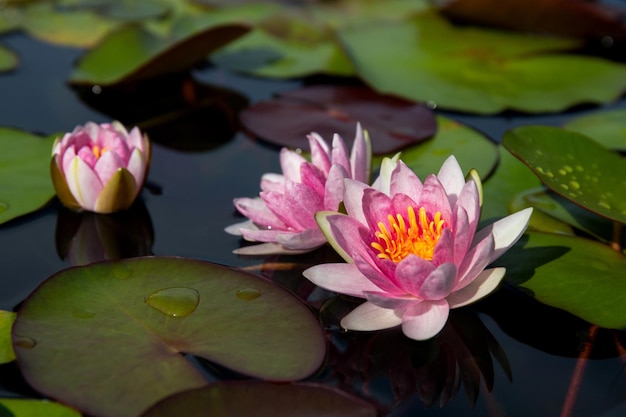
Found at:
(419, 238)
(98, 151)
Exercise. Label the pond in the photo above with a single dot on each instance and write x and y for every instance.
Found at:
(505, 355)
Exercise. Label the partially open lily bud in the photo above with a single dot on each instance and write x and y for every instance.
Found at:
(100, 168)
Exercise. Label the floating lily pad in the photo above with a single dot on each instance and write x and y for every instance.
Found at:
(6, 349)
(572, 214)
(287, 119)
(127, 10)
(79, 28)
(478, 70)
(574, 166)
(583, 277)
(17, 407)
(9, 19)
(8, 59)
(607, 127)
(107, 338)
(262, 400)
(471, 148)
(25, 183)
(579, 18)
(132, 52)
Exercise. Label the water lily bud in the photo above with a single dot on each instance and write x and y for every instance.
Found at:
(100, 168)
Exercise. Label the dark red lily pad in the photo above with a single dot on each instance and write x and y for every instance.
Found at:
(576, 18)
(260, 400)
(393, 123)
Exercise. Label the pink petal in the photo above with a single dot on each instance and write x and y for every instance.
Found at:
(235, 229)
(463, 236)
(451, 177)
(369, 316)
(321, 217)
(256, 210)
(137, 166)
(361, 156)
(353, 199)
(261, 235)
(434, 198)
(273, 182)
(340, 278)
(484, 284)
(83, 183)
(475, 261)
(392, 302)
(135, 139)
(384, 281)
(339, 153)
(313, 178)
(265, 249)
(87, 155)
(307, 240)
(320, 153)
(401, 203)
(334, 187)
(439, 283)
(444, 250)
(424, 320)
(290, 162)
(376, 207)
(404, 181)
(108, 164)
(67, 157)
(469, 200)
(505, 231)
(111, 140)
(297, 207)
(411, 273)
(383, 182)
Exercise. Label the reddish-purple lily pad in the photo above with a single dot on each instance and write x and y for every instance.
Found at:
(108, 338)
(392, 123)
(262, 400)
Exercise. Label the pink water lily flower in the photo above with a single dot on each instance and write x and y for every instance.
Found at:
(100, 168)
(412, 249)
(283, 217)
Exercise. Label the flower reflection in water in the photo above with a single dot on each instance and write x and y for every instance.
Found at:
(86, 237)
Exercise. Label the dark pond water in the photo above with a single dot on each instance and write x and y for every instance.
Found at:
(187, 204)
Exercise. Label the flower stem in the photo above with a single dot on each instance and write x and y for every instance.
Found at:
(616, 240)
(577, 377)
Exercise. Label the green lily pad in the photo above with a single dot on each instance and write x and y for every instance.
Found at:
(131, 320)
(262, 400)
(8, 59)
(79, 28)
(127, 10)
(540, 220)
(606, 127)
(471, 148)
(574, 166)
(25, 183)
(17, 407)
(9, 19)
(132, 52)
(572, 214)
(478, 70)
(6, 349)
(583, 277)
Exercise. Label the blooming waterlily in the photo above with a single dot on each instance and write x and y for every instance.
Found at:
(100, 168)
(412, 249)
(283, 217)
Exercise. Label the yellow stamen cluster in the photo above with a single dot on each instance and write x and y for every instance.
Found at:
(420, 238)
(98, 151)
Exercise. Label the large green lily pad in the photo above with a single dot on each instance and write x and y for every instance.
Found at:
(18, 407)
(133, 52)
(25, 183)
(262, 400)
(8, 59)
(471, 148)
(478, 70)
(108, 338)
(573, 166)
(583, 277)
(606, 127)
(6, 348)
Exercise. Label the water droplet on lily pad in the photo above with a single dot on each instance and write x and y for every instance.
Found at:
(175, 301)
(248, 294)
(24, 342)
(574, 185)
(122, 271)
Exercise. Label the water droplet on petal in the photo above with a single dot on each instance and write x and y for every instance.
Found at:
(248, 294)
(122, 271)
(175, 301)
(24, 342)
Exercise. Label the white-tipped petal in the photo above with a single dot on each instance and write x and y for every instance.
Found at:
(369, 316)
(505, 231)
(485, 283)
